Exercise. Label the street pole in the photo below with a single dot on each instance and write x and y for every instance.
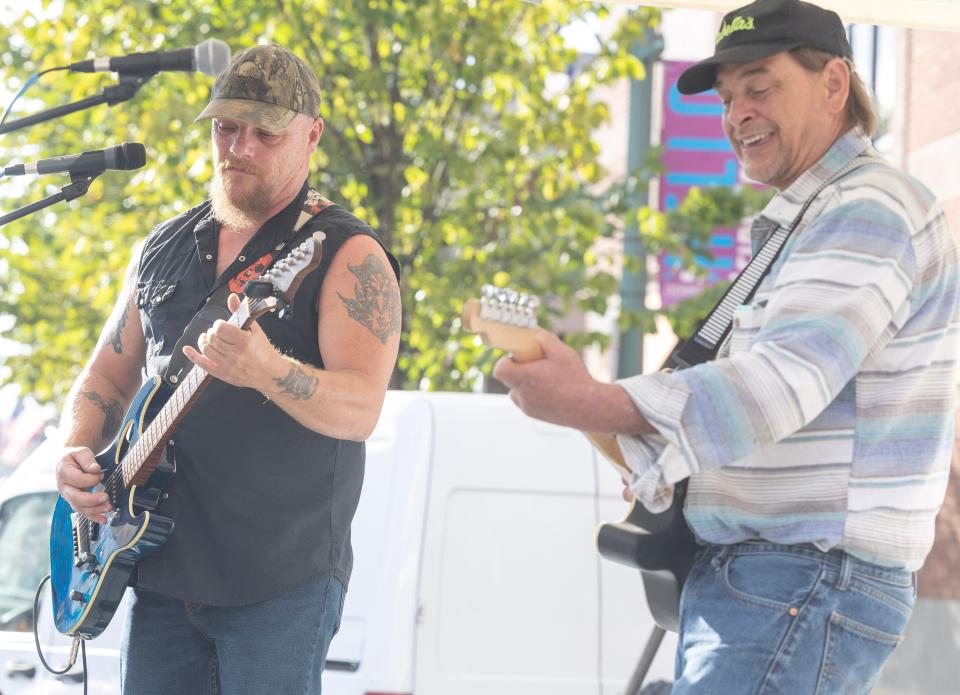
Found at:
(633, 282)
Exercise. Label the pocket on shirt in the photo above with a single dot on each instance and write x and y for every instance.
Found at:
(747, 320)
(154, 300)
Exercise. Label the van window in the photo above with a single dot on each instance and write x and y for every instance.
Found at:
(24, 556)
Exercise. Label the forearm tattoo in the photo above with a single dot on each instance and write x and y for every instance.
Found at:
(297, 384)
(376, 302)
(117, 330)
(112, 413)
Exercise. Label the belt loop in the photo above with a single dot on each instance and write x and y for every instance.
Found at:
(721, 554)
(846, 569)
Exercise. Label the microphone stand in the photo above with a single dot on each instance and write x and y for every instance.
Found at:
(127, 87)
(79, 184)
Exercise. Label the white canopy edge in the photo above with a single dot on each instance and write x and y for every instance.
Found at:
(943, 15)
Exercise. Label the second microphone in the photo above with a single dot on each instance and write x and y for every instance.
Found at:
(125, 156)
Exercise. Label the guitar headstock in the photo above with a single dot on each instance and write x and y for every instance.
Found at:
(504, 319)
(279, 285)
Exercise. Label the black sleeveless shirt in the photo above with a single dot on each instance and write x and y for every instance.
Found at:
(261, 504)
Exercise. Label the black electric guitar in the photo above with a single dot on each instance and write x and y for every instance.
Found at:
(660, 545)
(91, 563)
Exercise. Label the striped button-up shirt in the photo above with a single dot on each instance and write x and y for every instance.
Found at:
(828, 416)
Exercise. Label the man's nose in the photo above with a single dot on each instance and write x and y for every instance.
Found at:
(241, 146)
(739, 111)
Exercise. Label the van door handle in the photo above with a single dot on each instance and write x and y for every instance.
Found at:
(20, 669)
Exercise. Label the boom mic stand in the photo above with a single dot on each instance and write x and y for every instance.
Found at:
(79, 185)
(127, 87)
(79, 182)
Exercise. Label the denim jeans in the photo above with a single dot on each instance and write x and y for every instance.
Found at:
(760, 618)
(275, 646)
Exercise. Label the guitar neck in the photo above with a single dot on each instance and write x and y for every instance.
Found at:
(144, 455)
(524, 347)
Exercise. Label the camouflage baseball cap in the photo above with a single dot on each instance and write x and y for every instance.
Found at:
(266, 86)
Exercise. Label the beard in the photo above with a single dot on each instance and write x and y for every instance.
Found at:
(236, 208)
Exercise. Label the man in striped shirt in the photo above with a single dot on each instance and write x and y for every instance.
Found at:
(817, 444)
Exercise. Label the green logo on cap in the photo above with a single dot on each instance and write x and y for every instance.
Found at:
(737, 24)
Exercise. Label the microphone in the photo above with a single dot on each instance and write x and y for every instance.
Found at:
(210, 57)
(126, 156)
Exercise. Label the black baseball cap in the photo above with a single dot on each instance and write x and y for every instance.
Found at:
(765, 28)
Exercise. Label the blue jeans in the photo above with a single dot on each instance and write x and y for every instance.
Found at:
(275, 646)
(760, 618)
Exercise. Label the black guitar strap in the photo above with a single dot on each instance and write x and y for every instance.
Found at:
(215, 306)
(703, 345)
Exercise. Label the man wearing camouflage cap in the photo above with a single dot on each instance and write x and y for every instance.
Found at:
(247, 592)
(817, 441)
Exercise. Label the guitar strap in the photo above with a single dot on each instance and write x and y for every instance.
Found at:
(703, 345)
(215, 306)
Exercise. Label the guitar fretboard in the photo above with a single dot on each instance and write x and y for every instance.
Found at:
(143, 456)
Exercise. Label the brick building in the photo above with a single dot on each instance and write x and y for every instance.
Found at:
(926, 128)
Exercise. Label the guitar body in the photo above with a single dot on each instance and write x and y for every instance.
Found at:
(661, 546)
(90, 563)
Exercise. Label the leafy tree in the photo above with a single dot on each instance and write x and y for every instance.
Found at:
(460, 129)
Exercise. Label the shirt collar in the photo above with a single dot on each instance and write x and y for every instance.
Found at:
(277, 228)
(785, 206)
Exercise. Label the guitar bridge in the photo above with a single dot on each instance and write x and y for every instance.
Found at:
(83, 533)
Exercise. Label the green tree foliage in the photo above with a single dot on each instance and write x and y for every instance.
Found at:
(460, 129)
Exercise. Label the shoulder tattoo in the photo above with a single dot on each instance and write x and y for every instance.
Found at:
(376, 299)
(115, 340)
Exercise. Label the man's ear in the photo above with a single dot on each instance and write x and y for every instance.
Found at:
(316, 130)
(836, 83)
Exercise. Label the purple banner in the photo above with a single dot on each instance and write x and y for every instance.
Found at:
(696, 153)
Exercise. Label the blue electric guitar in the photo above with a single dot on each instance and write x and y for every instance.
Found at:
(91, 563)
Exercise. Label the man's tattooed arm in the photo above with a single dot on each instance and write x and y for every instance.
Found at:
(112, 413)
(129, 285)
(376, 298)
(297, 384)
(117, 330)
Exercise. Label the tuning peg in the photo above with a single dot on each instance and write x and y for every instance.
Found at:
(508, 306)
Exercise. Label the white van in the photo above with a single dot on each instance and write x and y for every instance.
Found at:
(26, 503)
(475, 569)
